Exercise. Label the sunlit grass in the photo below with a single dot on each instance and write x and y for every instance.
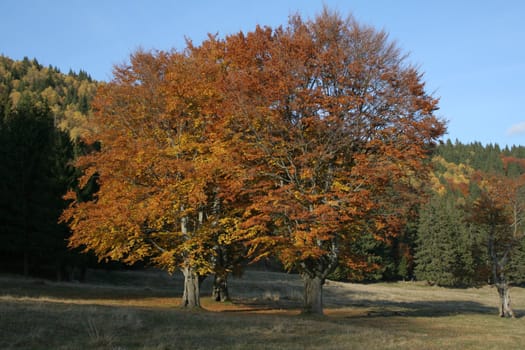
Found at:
(139, 310)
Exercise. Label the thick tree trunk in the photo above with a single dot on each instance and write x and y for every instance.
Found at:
(504, 300)
(313, 294)
(314, 273)
(220, 287)
(191, 296)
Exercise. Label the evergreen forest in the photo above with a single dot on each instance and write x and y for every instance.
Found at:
(42, 112)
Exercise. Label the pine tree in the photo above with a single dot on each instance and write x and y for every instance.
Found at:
(444, 249)
(27, 139)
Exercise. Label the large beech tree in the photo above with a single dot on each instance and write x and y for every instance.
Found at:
(334, 128)
(161, 173)
(296, 140)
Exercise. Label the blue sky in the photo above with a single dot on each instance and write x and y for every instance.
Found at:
(471, 52)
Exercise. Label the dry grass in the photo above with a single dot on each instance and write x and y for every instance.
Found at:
(138, 310)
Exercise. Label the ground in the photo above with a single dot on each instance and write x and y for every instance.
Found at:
(139, 310)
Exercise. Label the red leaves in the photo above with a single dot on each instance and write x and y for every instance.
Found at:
(335, 138)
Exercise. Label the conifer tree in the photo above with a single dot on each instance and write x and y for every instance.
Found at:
(444, 249)
(35, 174)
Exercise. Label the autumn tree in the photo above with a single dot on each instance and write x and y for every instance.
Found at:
(334, 128)
(498, 213)
(298, 140)
(162, 196)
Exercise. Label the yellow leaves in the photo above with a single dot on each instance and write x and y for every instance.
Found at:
(166, 260)
(15, 97)
(50, 95)
(261, 246)
(75, 122)
(458, 173)
(455, 176)
(341, 187)
(436, 185)
(230, 231)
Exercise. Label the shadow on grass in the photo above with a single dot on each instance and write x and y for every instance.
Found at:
(282, 296)
(33, 288)
(382, 305)
(421, 308)
(365, 308)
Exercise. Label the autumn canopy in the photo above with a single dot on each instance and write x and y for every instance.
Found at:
(288, 142)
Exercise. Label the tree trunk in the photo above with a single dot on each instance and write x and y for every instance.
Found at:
(191, 296)
(499, 277)
(220, 287)
(504, 300)
(313, 294)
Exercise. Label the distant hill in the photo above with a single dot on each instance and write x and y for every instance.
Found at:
(68, 96)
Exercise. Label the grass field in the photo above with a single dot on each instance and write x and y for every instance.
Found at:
(139, 310)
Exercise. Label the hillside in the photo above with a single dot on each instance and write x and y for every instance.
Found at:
(42, 113)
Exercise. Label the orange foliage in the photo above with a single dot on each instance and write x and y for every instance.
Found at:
(161, 171)
(296, 140)
(333, 128)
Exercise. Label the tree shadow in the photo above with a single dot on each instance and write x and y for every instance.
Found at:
(420, 308)
(380, 305)
(40, 289)
(346, 301)
(259, 295)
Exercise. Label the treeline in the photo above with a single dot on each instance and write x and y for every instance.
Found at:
(43, 112)
(41, 115)
(452, 246)
(470, 231)
(438, 243)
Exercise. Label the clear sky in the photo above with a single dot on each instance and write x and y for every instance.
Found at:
(472, 52)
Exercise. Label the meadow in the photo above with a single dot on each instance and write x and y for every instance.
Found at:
(139, 310)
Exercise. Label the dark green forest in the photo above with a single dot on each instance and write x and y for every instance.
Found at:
(454, 246)
(42, 115)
